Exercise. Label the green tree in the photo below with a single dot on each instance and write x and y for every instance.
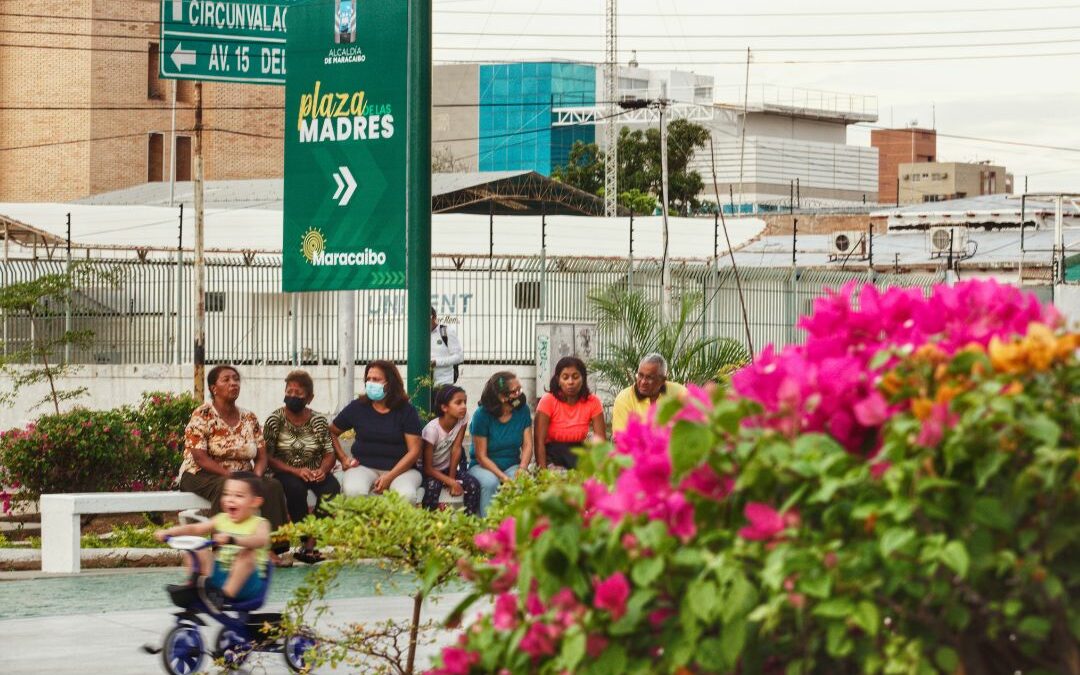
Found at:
(39, 299)
(632, 327)
(584, 168)
(639, 202)
(639, 165)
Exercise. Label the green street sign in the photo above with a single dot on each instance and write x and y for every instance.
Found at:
(224, 40)
(345, 146)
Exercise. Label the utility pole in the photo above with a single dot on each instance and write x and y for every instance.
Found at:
(742, 135)
(179, 356)
(418, 207)
(67, 308)
(665, 265)
(172, 148)
(611, 130)
(199, 354)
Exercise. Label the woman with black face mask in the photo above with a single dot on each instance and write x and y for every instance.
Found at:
(502, 437)
(301, 453)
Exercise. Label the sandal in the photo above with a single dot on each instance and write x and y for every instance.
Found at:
(309, 556)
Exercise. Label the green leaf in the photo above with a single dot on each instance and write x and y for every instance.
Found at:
(987, 467)
(646, 570)
(702, 597)
(867, 617)
(710, 655)
(573, 650)
(1034, 626)
(611, 662)
(740, 599)
(690, 443)
(816, 587)
(837, 641)
(837, 608)
(895, 539)
(1042, 428)
(667, 409)
(732, 641)
(955, 556)
(947, 659)
(989, 511)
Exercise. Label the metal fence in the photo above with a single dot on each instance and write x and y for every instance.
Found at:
(140, 311)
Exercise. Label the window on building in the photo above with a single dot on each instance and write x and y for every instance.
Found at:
(183, 158)
(155, 156)
(907, 177)
(155, 86)
(185, 91)
(527, 295)
(914, 178)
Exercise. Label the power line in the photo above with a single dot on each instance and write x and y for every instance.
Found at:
(786, 36)
(781, 50)
(740, 15)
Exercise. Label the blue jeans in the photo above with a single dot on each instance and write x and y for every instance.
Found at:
(489, 484)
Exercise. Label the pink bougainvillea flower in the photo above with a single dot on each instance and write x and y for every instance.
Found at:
(533, 604)
(540, 528)
(539, 640)
(506, 612)
(456, 661)
(501, 542)
(696, 405)
(657, 617)
(705, 482)
(505, 581)
(766, 523)
(934, 426)
(612, 594)
(595, 645)
(872, 411)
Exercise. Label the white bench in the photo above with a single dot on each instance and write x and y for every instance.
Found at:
(60, 513)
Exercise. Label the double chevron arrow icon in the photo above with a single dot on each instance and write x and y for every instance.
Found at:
(346, 185)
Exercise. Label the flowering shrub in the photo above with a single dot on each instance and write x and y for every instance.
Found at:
(160, 420)
(97, 451)
(900, 494)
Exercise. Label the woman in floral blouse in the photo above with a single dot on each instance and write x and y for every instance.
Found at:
(221, 438)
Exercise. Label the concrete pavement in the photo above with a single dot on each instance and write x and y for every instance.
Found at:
(110, 642)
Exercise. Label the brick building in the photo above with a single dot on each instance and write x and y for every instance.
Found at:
(896, 147)
(82, 110)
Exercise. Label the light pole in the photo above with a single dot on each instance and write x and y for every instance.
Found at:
(660, 105)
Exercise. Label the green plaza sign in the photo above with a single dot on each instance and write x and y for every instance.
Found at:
(224, 40)
(345, 146)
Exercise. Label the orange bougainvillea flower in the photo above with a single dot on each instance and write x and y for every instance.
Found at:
(922, 407)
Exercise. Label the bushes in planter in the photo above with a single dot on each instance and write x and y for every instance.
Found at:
(900, 494)
(98, 450)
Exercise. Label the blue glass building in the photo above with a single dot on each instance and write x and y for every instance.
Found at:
(516, 100)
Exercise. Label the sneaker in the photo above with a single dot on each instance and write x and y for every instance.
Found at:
(211, 595)
(308, 556)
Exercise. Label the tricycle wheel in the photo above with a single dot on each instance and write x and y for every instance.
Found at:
(232, 647)
(182, 653)
(295, 649)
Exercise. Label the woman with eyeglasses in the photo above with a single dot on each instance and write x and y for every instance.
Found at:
(502, 439)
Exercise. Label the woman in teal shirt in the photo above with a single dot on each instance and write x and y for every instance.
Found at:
(501, 432)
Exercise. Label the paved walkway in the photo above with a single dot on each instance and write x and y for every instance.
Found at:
(110, 642)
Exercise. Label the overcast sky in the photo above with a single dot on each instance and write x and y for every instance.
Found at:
(1021, 98)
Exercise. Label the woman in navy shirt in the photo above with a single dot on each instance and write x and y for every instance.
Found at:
(387, 444)
(502, 436)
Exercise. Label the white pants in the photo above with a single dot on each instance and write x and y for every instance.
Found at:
(358, 480)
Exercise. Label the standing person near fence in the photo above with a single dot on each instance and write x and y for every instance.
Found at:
(502, 435)
(447, 356)
(566, 414)
(301, 454)
(387, 444)
(444, 462)
(221, 438)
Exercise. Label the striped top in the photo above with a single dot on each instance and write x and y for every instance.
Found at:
(303, 447)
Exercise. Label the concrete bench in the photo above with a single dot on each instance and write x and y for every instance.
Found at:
(60, 513)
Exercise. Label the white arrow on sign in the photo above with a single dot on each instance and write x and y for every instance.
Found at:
(345, 183)
(183, 57)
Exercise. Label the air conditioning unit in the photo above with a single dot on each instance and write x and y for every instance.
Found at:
(850, 244)
(941, 238)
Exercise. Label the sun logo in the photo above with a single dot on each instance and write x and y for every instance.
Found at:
(313, 244)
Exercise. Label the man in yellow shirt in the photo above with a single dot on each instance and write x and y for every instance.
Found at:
(650, 385)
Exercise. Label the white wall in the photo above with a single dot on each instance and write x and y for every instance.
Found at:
(1067, 300)
(262, 387)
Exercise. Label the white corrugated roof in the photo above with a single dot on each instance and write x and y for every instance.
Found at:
(261, 229)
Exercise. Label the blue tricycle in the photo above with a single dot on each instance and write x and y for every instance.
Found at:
(242, 632)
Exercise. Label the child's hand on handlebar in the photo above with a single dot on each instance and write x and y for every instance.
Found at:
(220, 538)
(161, 535)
